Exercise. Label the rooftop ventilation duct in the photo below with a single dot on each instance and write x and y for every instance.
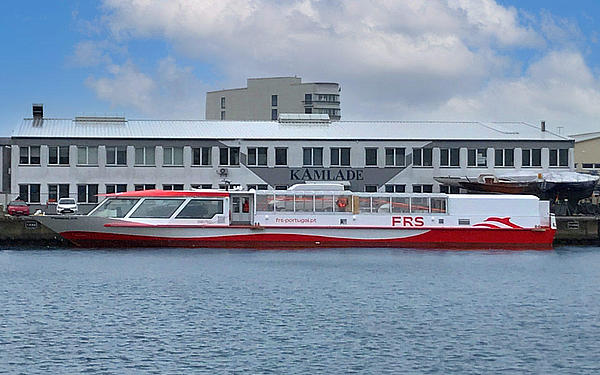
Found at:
(38, 111)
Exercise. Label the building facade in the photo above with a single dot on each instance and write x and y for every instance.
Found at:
(265, 98)
(587, 152)
(83, 157)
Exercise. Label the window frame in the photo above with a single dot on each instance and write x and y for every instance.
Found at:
(259, 154)
(312, 153)
(371, 163)
(231, 154)
(284, 152)
(339, 159)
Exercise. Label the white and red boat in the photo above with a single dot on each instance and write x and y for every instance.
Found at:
(309, 216)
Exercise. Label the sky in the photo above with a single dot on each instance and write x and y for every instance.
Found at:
(457, 60)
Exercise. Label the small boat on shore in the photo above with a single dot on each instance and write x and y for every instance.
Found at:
(309, 216)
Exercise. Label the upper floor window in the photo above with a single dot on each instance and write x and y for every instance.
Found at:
(504, 157)
(559, 157)
(145, 155)
(477, 157)
(449, 157)
(173, 156)
(257, 156)
(307, 98)
(87, 155)
(229, 156)
(280, 156)
(274, 114)
(223, 102)
(274, 100)
(423, 157)
(340, 156)
(395, 156)
(370, 156)
(116, 155)
(202, 156)
(29, 155)
(531, 157)
(312, 156)
(58, 155)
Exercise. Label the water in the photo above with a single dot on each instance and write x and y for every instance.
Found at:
(362, 311)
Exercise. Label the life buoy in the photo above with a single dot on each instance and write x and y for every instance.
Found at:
(342, 202)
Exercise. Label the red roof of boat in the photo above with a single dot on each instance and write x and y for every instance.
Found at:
(166, 193)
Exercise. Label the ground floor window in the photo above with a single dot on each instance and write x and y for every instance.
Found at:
(87, 193)
(140, 187)
(116, 188)
(29, 193)
(172, 187)
(370, 188)
(201, 186)
(449, 189)
(424, 188)
(394, 188)
(258, 187)
(57, 191)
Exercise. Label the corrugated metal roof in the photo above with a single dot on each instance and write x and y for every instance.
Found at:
(585, 136)
(338, 130)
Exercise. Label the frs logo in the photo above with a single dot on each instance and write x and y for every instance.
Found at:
(407, 221)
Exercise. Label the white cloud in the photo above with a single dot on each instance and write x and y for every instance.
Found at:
(394, 59)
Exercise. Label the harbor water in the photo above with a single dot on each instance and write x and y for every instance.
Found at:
(375, 311)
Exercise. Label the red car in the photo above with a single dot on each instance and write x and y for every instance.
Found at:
(18, 208)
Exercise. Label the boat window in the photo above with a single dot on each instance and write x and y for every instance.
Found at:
(201, 209)
(343, 203)
(304, 202)
(116, 208)
(265, 202)
(323, 203)
(438, 205)
(419, 205)
(381, 204)
(400, 204)
(284, 203)
(157, 208)
(364, 205)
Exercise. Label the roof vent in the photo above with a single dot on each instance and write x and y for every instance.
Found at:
(38, 111)
(304, 118)
(543, 126)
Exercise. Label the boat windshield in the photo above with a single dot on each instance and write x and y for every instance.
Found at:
(116, 208)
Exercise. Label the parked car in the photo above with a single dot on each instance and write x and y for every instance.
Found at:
(18, 207)
(66, 205)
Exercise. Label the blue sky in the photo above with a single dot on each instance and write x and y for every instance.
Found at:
(429, 59)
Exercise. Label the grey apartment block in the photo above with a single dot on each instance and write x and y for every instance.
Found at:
(83, 157)
(265, 98)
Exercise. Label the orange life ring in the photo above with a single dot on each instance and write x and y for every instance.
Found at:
(342, 202)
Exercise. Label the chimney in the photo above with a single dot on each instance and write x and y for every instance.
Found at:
(38, 111)
(543, 126)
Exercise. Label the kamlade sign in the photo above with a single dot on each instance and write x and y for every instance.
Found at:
(330, 174)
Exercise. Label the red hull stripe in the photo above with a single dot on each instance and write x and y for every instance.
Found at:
(439, 239)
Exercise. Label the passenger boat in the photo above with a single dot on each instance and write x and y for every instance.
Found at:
(309, 216)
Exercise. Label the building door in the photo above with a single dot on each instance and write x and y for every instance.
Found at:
(241, 208)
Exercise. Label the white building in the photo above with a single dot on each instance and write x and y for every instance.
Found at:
(85, 156)
(266, 98)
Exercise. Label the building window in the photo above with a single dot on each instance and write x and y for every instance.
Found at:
(222, 102)
(395, 156)
(559, 157)
(30, 193)
(258, 187)
(87, 193)
(340, 156)
(140, 187)
(308, 110)
(423, 157)
(449, 189)
(274, 114)
(370, 188)
(201, 186)
(424, 188)
(87, 155)
(370, 156)
(504, 157)
(58, 155)
(29, 155)
(116, 155)
(531, 157)
(274, 100)
(222, 115)
(308, 99)
(57, 191)
(312, 156)
(393, 188)
(145, 155)
(449, 157)
(202, 156)
(281, 187)
(280, 156)
(172, 187)
(257, 156)
(229, 156)
(228, 186)
(116, 188)
(477, 157)
(173, 156)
